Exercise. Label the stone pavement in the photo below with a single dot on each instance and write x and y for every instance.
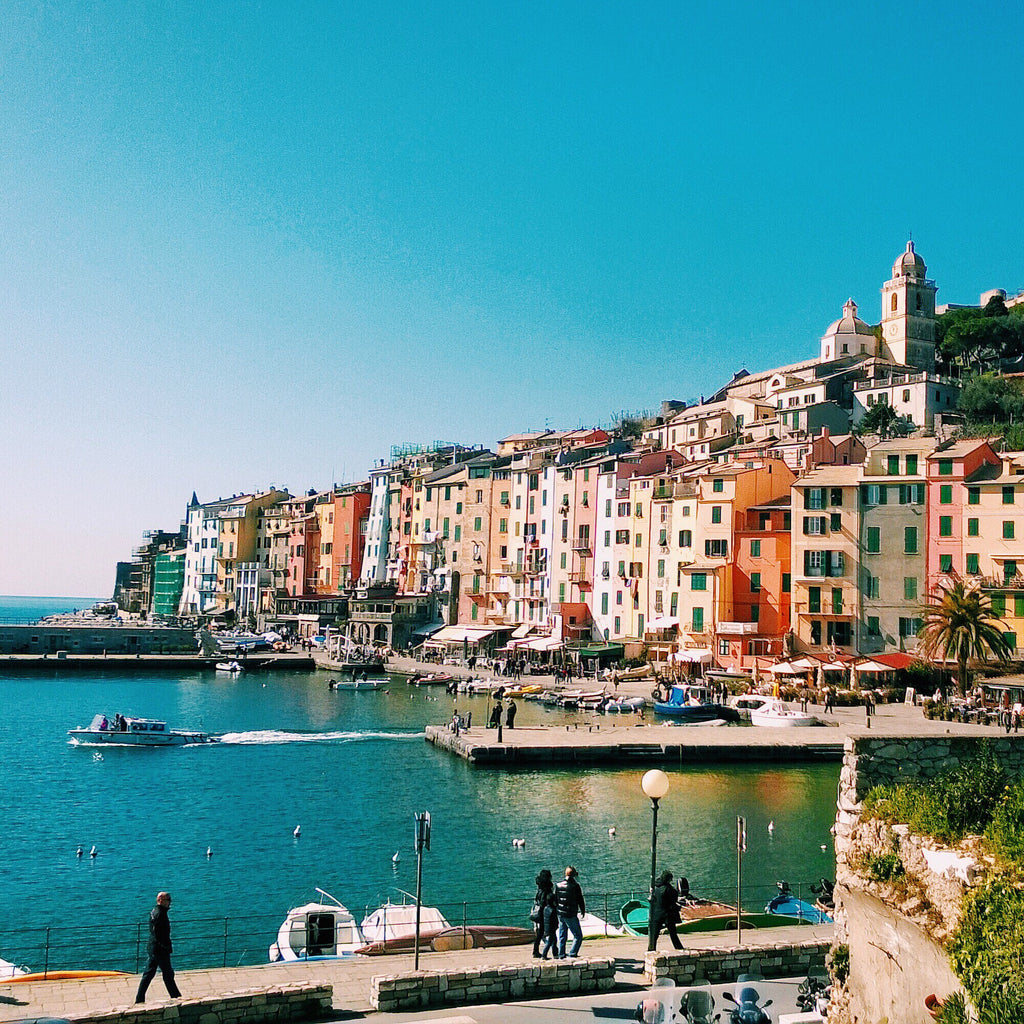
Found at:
(350, 978)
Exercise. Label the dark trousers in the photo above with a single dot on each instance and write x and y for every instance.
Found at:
(657, 923)
(159, 959)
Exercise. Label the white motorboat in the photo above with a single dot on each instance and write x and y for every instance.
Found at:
(778, 714)
(355, 683)
(134, 732)
(9, 970)
(317, 931)
(745, 703)
(229, 666)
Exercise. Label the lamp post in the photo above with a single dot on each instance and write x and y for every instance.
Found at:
(655, 785)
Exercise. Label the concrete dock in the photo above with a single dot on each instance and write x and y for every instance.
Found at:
(136, 664)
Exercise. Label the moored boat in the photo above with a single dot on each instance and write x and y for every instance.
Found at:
(624, 704)
(692, 703)
(135, 732)
(356, 682)
(788, 905)
(229, 666)
(778, 714)
(700, 915)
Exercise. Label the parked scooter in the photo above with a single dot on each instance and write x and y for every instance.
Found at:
(666, 1004)
(825, 897)
(812, 992)
(747, 1005)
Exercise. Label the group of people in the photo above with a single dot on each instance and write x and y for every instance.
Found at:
(509, 711)
(120, 723)
(556, 913)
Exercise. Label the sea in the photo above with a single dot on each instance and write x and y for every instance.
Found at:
(216, 824)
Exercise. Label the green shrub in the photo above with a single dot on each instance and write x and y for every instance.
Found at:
(987, 951)
(885, 867)
(838, 962)
(1005, 832)
(954, 1010)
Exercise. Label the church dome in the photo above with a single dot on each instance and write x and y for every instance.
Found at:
(849, 323)
(909, 264)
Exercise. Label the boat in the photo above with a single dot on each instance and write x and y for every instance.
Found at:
(788, 905)
(430, 679)
(9, 970)
(135, 732)
(317, 931)
(228, 666)
(625, 704)
(469, 936)
(62, 976)
(699, 915)
(692, 703)
(356, 682)
(745, 703)
(778, 714)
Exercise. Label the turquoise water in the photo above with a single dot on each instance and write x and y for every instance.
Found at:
(350, 769)
(30, 609)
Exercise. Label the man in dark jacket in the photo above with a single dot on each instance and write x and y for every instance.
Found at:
(664, 911)
(570, 904)
(159, 949)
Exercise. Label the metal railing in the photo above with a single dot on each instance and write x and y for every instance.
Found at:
(246, 939)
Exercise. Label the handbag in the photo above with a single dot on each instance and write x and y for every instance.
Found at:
(537, 912)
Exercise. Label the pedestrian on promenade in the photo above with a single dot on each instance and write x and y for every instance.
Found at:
(570, 904)
(664, 911)
(510, 714)
(829, 705)
(542, 914)
(805, 698)
(495, 720)
(869, 704)
(159, 950)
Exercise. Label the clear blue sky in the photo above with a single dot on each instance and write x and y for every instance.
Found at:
(255, 243)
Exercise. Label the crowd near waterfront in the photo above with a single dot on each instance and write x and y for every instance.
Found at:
(350, 768)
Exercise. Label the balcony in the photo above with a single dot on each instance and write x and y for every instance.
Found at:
(580, 577)
(583, 546)
(738, 628)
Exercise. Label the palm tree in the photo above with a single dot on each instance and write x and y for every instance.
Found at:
(960, 624)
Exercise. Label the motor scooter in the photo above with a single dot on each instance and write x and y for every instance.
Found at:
(666, 1004)
(747, 1005)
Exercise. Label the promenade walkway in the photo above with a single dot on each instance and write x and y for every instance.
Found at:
(351, 978)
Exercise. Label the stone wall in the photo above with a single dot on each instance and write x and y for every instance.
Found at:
(713, 967)
(895, 931)
(419, 989)
(253, 1006)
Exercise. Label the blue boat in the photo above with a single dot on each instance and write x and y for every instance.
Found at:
(788, 905)
(692, 703)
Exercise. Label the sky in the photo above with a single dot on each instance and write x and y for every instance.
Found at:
(254, 244)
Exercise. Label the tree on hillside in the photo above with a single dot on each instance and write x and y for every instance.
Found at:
(961, 624)
(986, 339)
(882, 419)
(988, 398)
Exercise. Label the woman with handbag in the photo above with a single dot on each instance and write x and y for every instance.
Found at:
(541, 913)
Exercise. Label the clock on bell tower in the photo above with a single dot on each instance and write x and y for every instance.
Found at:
(908, 313)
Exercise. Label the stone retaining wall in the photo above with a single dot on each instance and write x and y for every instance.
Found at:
(770, 960)
(252, 1006)
(419, 989)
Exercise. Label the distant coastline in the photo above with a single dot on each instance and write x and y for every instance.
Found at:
(15, 608)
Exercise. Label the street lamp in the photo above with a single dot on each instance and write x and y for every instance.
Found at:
(655, 785)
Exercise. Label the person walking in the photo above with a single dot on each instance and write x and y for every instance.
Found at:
(542, 914)
(495, 720)
(570, 904)
(829, 705)
(159, 950)
(664, 911)
(510, 714)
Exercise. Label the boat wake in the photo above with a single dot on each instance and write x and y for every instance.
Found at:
(273, 736)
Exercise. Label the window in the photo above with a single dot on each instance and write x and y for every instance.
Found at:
(478, 523)
(945, 467)
(755, 549)
(1011, 640)
(816, 629)
(639, 540)
(458, 508)
(875, 494)
(698, 620)
(835, 522)
(892, 465)
(836, 497)
(1018, 606)
(1009, 569)
(699, 581)
(945, 526)
(755, 613)
(873, 628)
(787, 582)
(911, 459)
(755, 582)
(716, 513)
(999, 604)
(723, 647)
(946, 494)
(872, 590)
(685, 538)
(562, 562)
(618, 626)
(1007, 529)
(973, 495)
(458, 531)
(716, 548)
(874, 540)
(814, 600)
(910, 540)
(945, 563)
(972, 564)
(972, 527)
(814, 497)
(717, 486)
(604, 604)
(815, 526)
(1008, 495)
(909, 588)
(814, 563)
(909, 627)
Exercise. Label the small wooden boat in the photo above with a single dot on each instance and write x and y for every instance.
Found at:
(62, 976)
(698, 915)
(431, 679)
(470, 936)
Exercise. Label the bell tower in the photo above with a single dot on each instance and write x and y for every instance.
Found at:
(908, 313)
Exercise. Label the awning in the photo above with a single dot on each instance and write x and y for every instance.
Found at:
(607, 650)
(428, 628)
(460, 634)
(696, 655)
(871, 666)
(544, 643)
(664, 622)
(805, 664)
(520, 631)
(786, 668)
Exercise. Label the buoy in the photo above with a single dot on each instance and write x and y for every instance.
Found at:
(92, 852)
(519, 843)
(824, 846)
(298, 831)
(78, 852)
(209, 852)
(771, 827)
(397, 857)
(97, 756)
(611, 831)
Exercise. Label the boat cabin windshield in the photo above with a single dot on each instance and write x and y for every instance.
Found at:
(322, 933)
